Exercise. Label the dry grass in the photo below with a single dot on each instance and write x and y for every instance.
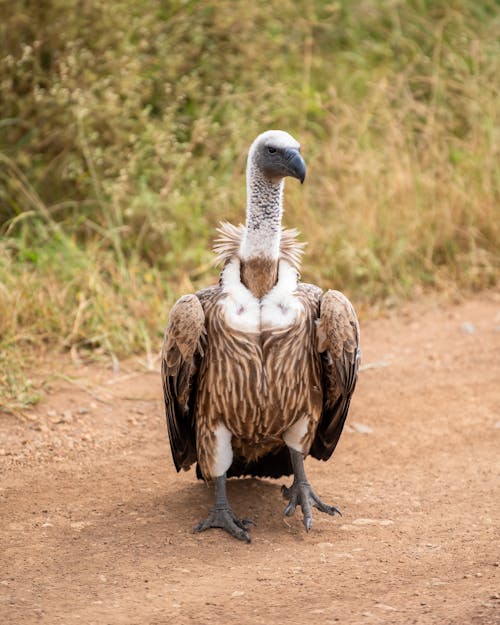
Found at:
(123, 133)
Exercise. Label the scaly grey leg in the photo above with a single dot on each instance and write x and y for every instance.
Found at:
(222, 516)
(301, 492)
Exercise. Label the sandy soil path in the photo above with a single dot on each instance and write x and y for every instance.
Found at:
(95, 523)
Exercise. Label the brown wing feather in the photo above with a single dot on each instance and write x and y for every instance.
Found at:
(181, 353)
(338, 342)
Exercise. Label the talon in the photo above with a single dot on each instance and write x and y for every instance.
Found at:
(307, 523)
(243, 523)
(246, 537)
(289, 510)
(332, 510)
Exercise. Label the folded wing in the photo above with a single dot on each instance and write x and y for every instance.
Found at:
(338, 343)
(181, 355)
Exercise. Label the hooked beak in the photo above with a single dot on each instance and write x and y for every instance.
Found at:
(295, 164)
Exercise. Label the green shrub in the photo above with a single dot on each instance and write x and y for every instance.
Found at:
(123, 134)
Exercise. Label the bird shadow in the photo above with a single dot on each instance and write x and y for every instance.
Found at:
(258, 499)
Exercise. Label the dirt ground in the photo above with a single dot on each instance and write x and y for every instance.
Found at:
(95, 522)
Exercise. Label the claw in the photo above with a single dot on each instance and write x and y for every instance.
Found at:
(323, 507)
(290, 509)
(243, 523)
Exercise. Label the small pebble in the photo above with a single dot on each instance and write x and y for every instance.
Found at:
(384, 606)
(468, 327)
(373, 522)
(361, 428)
(66, 417)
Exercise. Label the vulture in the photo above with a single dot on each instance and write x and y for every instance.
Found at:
(258, 372)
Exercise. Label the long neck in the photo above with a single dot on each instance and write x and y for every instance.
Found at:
(264, 212)
(260, 246)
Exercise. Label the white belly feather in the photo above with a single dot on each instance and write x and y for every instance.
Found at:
(244, 312)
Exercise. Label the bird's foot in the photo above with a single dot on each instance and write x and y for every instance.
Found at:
(226, 520)
(301, 493)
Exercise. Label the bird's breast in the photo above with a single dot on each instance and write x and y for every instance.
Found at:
(279, 308)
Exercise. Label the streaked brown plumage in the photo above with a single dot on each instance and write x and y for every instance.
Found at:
(238, 391)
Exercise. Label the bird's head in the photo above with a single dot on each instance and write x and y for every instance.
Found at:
(277, 154)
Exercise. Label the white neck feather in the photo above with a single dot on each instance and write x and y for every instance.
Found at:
(264, 212)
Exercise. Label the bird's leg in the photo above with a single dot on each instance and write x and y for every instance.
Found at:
(301, 492)
(222, 516)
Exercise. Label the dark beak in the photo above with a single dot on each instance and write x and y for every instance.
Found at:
(295, 164)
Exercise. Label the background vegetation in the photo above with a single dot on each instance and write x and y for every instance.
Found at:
(124, 126)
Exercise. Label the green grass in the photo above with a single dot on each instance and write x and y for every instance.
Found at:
(123, 134)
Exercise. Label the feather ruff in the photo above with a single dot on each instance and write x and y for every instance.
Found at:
(227, 244)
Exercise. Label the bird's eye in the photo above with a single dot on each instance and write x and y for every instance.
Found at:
(271, 150)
